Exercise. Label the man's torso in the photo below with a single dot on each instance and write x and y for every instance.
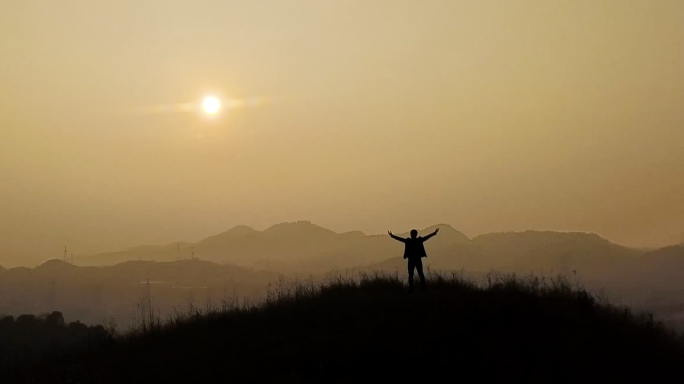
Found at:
(414, 248)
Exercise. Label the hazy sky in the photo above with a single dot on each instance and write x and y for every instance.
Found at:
(487, 115)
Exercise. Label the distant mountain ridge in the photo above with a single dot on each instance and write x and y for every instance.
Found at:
(301, 242)
(306, 247)
(95, 294)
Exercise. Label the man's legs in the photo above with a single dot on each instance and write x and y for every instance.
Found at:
(419, 267)
(411, 265)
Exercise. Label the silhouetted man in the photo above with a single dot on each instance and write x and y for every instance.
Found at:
(414, 251)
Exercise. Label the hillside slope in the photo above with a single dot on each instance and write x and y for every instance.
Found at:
(372, 331)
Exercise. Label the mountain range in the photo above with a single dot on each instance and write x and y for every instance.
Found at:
(304, 247)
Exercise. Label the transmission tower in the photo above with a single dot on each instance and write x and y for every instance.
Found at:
(65, 254)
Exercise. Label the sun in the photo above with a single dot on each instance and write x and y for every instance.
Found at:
(211, 105)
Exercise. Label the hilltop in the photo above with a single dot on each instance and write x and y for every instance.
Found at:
(372, 331)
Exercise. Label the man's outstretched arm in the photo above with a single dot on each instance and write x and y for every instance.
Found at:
(396, 237)
(430, 235)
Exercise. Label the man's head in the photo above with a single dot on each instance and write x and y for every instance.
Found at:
(414, 233)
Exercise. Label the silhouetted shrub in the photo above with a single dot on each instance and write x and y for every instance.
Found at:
(55, 318)
(30, 338)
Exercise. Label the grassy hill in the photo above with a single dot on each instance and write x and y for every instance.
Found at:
(371, 330)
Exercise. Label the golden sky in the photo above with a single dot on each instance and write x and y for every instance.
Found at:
(487, 115)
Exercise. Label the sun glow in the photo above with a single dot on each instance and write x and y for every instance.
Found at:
(211, 105)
